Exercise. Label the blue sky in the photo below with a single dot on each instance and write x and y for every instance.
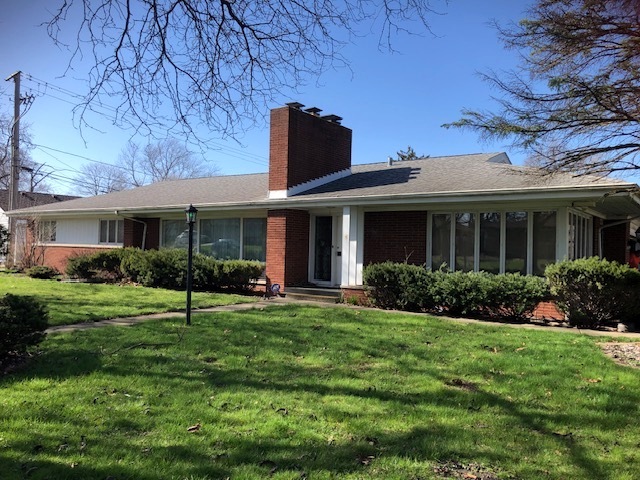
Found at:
(389, 100)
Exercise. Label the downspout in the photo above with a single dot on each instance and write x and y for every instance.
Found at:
(144, 227)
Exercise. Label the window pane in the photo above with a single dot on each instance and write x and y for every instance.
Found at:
(544, 240)
(175, 234)
(46, 231)
(120, 231)
(490, 242)
(112, 231)
(516, 242)
(441, 240)
(220, 238)
(465, 239)
(254, 239)
(104, 225)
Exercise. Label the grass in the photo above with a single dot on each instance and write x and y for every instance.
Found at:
(293, 392)
(70, 303)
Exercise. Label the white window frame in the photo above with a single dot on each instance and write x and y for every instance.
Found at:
(197, 229)
(119, 225)
(503, 215)
(46, 226)
(579, 235)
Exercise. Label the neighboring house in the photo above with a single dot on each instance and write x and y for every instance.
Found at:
(316, 219)
(26, 200)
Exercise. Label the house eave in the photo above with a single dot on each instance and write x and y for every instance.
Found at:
(563, 194)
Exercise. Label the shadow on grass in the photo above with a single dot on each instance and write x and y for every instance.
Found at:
(253, 339)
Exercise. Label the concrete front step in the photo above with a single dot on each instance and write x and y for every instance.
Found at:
(314, 294)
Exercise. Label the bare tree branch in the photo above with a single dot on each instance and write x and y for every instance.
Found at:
(219, 64)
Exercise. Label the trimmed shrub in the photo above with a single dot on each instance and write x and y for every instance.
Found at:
(383, 280)
(593, 292)
(514, 296)
(399, 286)
(462, 293)
(413, 288)
(240, 275)
(23, 321)
(166, 268)
(42, 272)
(80, 267)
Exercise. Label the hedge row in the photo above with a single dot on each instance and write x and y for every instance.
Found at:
(166, 268)
(414, 288)
(593, 292)
(23, 321)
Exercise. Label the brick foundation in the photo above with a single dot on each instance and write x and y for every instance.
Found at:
(548, 311)
(57, 257)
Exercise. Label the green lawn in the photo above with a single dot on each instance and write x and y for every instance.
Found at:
(291, 392)
(70, 303)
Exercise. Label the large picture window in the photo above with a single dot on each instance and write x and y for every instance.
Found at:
(465, 241)
(46, 230)
(175, 234)
(516, 242)
(221, 238)
(112, 231)
(440, 240)
(490, 242)
(544, 240)
(254, 239)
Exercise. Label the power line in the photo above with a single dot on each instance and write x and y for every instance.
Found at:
(225, 149)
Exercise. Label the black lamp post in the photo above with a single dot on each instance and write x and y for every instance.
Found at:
(191, 219)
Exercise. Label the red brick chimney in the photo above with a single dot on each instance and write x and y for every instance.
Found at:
(306, 150)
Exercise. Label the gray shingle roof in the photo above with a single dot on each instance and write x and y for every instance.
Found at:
(430, 176)
(32, 199)
(232, 189)
(445, 175)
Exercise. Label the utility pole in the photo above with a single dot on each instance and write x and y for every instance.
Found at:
(14, 177)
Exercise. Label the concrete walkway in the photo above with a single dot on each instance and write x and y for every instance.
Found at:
(158, 316)
(283, 301)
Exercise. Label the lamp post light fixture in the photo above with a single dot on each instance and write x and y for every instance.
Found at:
(192, 213)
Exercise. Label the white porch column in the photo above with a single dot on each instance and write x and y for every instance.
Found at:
(352, 246)
(562, 234)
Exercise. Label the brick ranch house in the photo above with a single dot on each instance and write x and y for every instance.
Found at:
(316, 219)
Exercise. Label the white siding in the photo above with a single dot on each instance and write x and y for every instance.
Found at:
(4, 220)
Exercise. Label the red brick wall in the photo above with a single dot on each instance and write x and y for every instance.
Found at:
(287, 247)
(395, 236)
(153, 233)
(134, 231)
(614, 242)
(304, 147)
(56, 257)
